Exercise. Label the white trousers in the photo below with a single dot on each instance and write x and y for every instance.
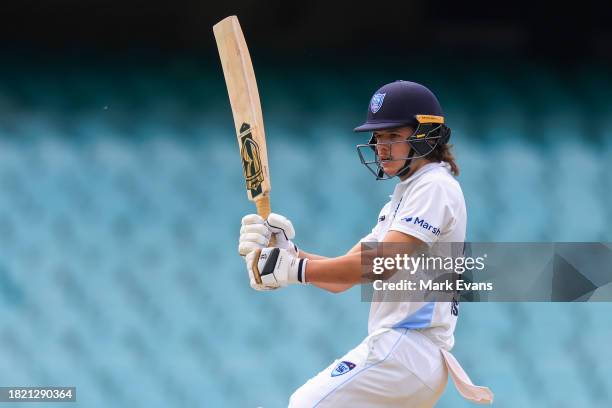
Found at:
(392, 368)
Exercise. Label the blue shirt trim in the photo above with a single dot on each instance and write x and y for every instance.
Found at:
(419, 319)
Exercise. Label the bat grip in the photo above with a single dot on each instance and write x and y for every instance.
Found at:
(263, 209)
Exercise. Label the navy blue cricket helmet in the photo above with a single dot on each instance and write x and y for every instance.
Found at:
(399, 104)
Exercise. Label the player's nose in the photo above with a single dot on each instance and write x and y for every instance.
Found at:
(382, 150)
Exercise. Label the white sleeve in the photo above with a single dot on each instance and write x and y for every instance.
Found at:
(371, 237)
(374, 235)
(425, 213)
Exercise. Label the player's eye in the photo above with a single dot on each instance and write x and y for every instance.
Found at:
(382, 139)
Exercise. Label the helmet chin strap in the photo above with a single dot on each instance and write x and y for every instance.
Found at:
(406, 167)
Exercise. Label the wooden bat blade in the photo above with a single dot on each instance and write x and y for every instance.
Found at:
(246, 109)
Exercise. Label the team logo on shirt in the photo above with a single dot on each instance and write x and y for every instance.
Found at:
(423, 224)
(376, 102)
(342, 368)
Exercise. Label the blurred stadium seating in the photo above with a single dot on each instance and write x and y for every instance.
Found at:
(120, 200)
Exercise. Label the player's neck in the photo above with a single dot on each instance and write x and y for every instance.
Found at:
(414, 167)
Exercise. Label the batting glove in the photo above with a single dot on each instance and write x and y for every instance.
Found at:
(283, 231)
(273, 268)
(254, 234)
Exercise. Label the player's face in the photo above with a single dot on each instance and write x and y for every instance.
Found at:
(392, 148)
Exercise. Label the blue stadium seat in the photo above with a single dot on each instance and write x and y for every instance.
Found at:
(120, 208)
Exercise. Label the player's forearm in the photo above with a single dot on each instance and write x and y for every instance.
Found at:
(348, 269)
(310, 257)
(344, 269)
(331, 287)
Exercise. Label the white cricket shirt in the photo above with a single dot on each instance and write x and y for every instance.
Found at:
(430, 206)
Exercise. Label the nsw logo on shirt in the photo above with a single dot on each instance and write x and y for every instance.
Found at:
(342, 368)
(423, 224)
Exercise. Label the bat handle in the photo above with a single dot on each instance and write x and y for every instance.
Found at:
(263, 209)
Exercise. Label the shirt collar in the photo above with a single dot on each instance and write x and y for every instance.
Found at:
(422, 170)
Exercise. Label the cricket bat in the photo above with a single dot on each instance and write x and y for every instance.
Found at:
(246, 110)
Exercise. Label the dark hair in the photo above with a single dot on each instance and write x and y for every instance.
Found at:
(443, 153)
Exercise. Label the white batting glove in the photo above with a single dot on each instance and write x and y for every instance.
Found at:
(283, 231)
(273, 268)
(254, 234)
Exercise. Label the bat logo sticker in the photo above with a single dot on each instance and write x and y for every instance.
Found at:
(251, 162)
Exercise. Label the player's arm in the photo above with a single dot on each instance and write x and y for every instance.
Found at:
(255, 233)
(271, 268)
(329, 286)
(347, 269)
(429, 201)
(309, 256)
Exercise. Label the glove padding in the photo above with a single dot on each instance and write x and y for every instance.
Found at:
(273, 268)
(255, 233)
(283, 231)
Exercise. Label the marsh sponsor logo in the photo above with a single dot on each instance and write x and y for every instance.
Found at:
(423, 224)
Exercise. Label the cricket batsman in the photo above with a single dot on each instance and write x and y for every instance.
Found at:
(404, 361)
